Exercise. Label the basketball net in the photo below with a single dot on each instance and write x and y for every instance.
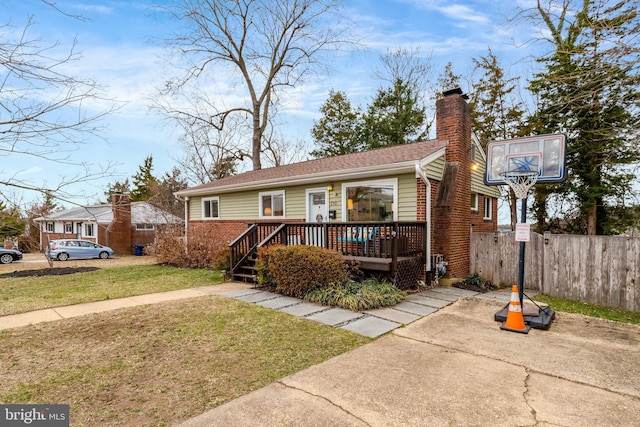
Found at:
(520, 182)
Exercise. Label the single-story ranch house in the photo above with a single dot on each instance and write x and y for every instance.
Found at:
(120, 225)
(394, 209)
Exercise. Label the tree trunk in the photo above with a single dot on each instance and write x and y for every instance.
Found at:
(256, 141)
(513, 207)
(592, 218)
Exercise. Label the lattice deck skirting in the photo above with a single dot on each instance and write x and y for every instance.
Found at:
(409, 272)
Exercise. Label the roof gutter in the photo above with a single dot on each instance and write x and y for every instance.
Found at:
(420, 174)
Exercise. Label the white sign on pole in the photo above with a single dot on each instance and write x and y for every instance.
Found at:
(523, 232)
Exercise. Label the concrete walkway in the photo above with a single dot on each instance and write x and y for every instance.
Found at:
(69, 311)
(371, 323)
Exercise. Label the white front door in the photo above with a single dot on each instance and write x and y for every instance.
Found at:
(317, 211)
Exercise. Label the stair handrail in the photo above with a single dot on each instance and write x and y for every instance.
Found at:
(236, 256)
(271, 238)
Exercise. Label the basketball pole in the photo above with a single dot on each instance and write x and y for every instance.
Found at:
(523, 219)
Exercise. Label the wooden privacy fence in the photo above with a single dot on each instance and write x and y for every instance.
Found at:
(601, 270)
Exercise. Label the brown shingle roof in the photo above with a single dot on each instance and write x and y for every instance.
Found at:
(333, 166)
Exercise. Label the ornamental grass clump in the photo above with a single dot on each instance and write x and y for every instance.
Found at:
(357, 296)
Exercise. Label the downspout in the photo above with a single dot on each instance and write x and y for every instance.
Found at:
(420, 174)
(186, 215)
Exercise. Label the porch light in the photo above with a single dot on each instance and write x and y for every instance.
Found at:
(474, 166)
(330, 187)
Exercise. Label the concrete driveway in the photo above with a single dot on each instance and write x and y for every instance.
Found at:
(456, 367)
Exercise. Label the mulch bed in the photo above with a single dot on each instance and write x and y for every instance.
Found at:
(488, 287)
(48, 272)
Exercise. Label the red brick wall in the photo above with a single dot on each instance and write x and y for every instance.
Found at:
(452, 213)
(223, 231)
(481, 225)
(142, 237)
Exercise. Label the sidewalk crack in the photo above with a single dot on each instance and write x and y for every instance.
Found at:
(525, 396)
(326, 400)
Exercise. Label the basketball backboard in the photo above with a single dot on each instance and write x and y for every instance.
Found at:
(543, 154)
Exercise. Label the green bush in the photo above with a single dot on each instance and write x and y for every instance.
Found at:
(357, 296)
(298, 269)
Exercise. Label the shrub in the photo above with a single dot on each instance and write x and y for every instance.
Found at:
(203, 249)
(221, 259)
(357, 296)
(298, 269)
(169, 247)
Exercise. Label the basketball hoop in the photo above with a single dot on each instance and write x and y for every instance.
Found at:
(520, 182)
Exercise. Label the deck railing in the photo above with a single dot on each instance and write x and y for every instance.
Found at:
(358, 239)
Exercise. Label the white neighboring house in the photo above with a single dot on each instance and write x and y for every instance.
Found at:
(120, 225)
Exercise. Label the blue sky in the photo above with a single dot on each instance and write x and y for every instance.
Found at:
(114, 40)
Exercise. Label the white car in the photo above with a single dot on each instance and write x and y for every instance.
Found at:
(65, 249)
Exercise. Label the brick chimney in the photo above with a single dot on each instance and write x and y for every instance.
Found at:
(452, 208)
(119, 231)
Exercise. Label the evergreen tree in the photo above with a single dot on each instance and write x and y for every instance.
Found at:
(589, 89)
(495, 111)
(164, 189)
(447, 80)
(11, 224)
(118, 187)
(336, 132)
(144, 182)
(394, 117)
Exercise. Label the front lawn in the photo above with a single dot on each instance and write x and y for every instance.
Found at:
(592, 310)
(19, 295)
(161, 364)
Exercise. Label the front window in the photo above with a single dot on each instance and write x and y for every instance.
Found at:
(370, 201)
(68, 228)
(89, 230)
(272, 205)
(474, 201)
(487, 208)
(143, 227)
(211, 208)
(49, 227)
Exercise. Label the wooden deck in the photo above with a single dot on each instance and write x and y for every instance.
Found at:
(398, 248)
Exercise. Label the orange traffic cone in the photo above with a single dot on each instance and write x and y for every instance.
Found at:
(515, 318)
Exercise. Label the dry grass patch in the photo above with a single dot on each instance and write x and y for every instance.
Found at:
(159, 365)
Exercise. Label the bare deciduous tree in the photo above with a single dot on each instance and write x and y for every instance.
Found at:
(255, 48)
(45, 113)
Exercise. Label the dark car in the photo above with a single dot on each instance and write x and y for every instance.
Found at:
(7, 256)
